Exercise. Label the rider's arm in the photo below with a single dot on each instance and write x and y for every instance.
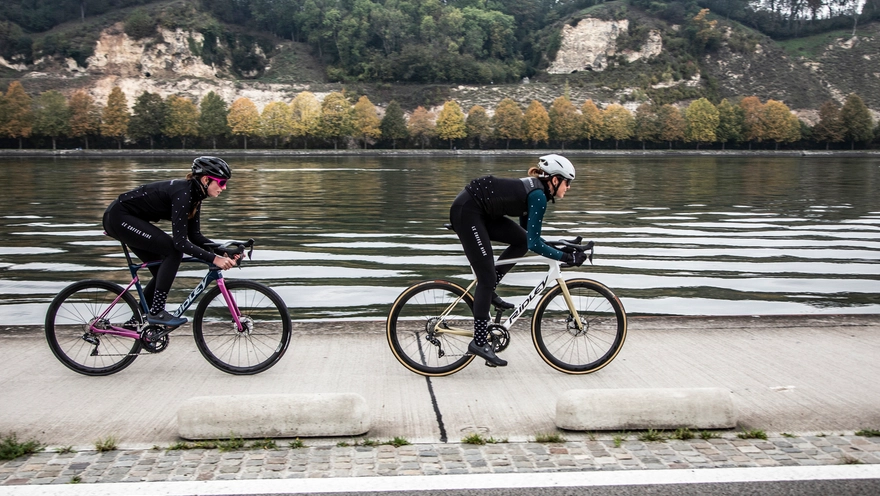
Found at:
(194, 230)
(537, 205)
(180, 207)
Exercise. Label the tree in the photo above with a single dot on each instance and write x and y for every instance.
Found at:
(335, 117)
(182, 118)
(753, 115)
(672, 124)
(591, 122)
(730, 123)
(702, 122)
(114, 120)
(830, 128)
(565, 121)
(450, 122)
(508, 121)
(213, 117)
(393, 125)
(478, 125)
(276, 121)
(51, 115)
(646, 126)
(421, 125)
(305, 116)
(244, 118)
(85, 117)
(617, 123)
(147, 117)
(856, 120)
(780, 124)
(536, 124)
(366, 121)
(18, 119)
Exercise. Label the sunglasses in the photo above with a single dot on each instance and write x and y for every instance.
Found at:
(220, 182)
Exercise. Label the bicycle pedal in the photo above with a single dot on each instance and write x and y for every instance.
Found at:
(490, 364)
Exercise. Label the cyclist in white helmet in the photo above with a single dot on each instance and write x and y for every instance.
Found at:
(481, 214)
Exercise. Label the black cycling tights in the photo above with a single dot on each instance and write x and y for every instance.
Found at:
(149, 243)
(476, 233)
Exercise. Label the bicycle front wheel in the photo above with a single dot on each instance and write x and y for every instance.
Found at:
(428, 325)
(562, 344)
(69, 327)
(263, 338)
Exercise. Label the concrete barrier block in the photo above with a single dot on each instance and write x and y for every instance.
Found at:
(620, 409)
(273, 416)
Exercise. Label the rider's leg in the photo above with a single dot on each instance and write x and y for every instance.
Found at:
(507, 231)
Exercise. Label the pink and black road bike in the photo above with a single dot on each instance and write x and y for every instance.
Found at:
(241, 327)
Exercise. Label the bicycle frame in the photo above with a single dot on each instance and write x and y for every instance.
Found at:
(554, 272)
(214, 274)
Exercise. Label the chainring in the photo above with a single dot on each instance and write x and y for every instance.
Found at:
(499, 337)
(155, 339)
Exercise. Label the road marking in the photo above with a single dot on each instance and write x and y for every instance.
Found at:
(449, 482)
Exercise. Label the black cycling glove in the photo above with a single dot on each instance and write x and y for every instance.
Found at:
(575, 259)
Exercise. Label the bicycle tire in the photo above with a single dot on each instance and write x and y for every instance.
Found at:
(68, 321)
(557, 339)
(247, 352)
(411, 322)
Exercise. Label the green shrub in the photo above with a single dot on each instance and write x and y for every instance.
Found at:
(10, 448)
(140, 25)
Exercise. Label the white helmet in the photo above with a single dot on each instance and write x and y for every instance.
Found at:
(556, 165)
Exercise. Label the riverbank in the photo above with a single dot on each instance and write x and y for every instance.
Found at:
(76, 153)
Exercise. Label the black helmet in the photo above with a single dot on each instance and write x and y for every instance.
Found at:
(211, 166)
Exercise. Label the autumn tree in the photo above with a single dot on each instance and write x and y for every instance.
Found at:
(276, 122)
(85, 117)
(617, 123)
(51, 115)
(672, 124)
(114, 120)
(781, 126)
(565, 121)
(730, 123)
(213, 116)
(753, 119)
(856, 120)
(336, 116)
(536, 124)
(305, 116)
(244, 118)
(421, 125)
(701, 119)
(393, 124)
(478, 125)
(591, 122)
(508, 121)
(451, 123)
(18, 118)
(181, 119)
(147, 117)
(830, 126)
(365, 120)
(646, 127)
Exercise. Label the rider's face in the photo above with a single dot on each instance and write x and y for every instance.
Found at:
(561, 186)
(212, 187)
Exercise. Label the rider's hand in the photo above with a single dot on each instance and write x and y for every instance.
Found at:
(224, 262)
(575, 259)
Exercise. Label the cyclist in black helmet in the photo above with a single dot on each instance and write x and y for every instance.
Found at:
(130, 220)
(479, 215)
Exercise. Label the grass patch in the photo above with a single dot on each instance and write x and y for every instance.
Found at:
(75, 479)
(705, 435)
(549, 438)
(264, 444)
(682, 434)
(11, 448)
(652, 436)
(231, 444)
(297, 444)
(752, 434)
(478, 439)
(849, 460)
(64, 450)
(106, 444)
(397, 442)
(342, 444)
(813, 46)
(369, 442)
(619, 439)
(868, 433)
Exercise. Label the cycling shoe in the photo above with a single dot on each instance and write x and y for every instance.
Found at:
(162, 317)
(499, 303)
(488, 353)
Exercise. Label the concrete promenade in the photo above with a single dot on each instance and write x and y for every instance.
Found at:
(808, 382)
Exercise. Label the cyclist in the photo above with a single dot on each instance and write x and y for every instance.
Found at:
(479, 216)
(130, 219)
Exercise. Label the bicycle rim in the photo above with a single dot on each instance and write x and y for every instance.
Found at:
(68, 328)
(257, 347)
(579, 351)
(411, 322)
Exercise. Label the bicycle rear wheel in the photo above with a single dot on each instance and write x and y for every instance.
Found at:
(68, 332)
(263, 339)
(411, 324)
(579, 351)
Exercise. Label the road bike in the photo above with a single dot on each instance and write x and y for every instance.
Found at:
(241, 327)
(578, 326)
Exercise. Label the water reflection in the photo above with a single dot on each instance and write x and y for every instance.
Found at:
(340, 237)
